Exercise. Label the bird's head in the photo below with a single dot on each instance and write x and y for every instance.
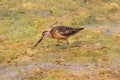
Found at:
(44, 34)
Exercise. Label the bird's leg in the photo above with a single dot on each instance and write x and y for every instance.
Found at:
(59, 41)
(67, 42)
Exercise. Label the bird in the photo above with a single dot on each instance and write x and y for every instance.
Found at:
(59, 33)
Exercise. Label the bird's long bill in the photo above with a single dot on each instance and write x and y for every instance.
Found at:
(39, 40)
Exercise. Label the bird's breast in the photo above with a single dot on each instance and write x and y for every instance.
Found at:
(58, 36)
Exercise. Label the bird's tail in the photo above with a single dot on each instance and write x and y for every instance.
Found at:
(79, 29)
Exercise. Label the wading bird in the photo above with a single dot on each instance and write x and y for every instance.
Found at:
(59, 33)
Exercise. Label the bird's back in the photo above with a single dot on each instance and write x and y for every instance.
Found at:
(65, 30)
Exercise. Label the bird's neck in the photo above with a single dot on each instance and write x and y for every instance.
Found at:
(49, 35)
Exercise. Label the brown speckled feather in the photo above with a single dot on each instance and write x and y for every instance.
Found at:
(65, 31)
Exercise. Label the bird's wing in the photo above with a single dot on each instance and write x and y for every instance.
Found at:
(64, 30)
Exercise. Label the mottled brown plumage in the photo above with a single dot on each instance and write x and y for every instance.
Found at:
(59, 32)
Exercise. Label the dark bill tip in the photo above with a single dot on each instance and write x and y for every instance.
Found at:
(39, 41)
